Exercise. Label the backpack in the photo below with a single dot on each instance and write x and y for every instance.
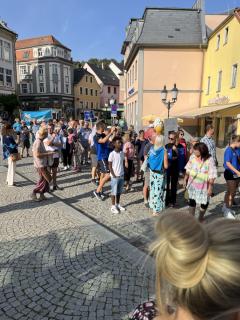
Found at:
(155, 159)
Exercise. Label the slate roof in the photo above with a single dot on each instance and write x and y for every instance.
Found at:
(79, 74)
(163, 26)
(3, 25)
(39, 41)
(105, 75)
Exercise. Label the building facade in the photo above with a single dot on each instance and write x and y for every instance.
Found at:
(165, 47)
(220, 101)
(108, 82)
(7, 60)
(45, 75)
(86, 92)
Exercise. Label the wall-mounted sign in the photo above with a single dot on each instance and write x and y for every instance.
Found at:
(131, 91)
(219, 100)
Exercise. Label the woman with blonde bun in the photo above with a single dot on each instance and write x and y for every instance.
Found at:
(197, 270)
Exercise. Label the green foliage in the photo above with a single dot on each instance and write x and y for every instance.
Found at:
(9, 102)
(97, 62)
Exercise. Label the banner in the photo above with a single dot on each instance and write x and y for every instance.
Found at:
(89, 115)
(43, 115)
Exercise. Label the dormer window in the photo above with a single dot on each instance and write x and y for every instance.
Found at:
(226, 35)
(40, 53)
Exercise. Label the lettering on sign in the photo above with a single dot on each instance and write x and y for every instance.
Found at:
(219, 100)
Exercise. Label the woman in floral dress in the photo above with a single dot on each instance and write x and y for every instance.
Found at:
(200, 175)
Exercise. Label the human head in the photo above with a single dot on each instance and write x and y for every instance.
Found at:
(172, 137)
(141, 134)
(194, 140)
(42, 133)
(57, 129)
(34, 121)
(180, 134)
(81, 122)
(198, 266)
(100, 127)
(159, 142)
(152, 138)
(50, 128)
(209, 130)
(70, 131)
(117, 142)
(17, 120)
(126, 137)
(7, 129)
(131, 127)
(235, 141)
(86, 124)
(201, 150)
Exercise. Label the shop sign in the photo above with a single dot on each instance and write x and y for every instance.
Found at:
(131, 91)
(219, 100)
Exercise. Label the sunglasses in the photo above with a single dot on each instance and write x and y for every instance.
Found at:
(172, 139)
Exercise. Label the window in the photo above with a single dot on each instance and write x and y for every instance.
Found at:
(54, 51)
(218, 41)
(86, 104)
(81, 104)
(6, 50)
(40, 53)
(208, 85)
(23, 70)
(24, 88)
(219, 83)
(55, 87)
(91, 80)
(109, 89)
(115, 90)
(40, 70)
(1, 77)
(67, 88)
(86, 91)
(41, 87)
(81, 90)
(1, 49)
(54, 68)
(67, 79)
(91, 92)
(25, 54)
(30, 87)
(47, 52)
(91, 105)
(136, 70)
(66, 71)
(96, 104)
(96, 93)
(234, 76)
(226, 36)
(86, 78)
(9, 77)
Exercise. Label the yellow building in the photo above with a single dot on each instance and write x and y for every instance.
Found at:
(220, 100)
(86, 92)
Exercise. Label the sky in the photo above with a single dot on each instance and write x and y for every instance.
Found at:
(91, 28)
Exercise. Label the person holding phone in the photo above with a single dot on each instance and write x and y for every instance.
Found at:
(231, 175)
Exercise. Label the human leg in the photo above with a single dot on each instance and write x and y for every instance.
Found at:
(192, 206)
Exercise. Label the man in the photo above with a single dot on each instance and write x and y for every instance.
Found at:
(210, 143)
(173, 170)
(1, 128)
(34, 129)
(84, 135)
(101, 141)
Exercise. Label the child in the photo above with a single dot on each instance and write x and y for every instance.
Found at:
(115, 161)
(129, 151)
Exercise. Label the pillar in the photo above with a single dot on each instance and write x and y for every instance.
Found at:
(221, 135)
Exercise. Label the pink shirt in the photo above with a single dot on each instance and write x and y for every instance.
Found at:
(129, 151)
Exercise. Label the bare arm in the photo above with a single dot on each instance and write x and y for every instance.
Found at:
(165, 163)
(111, 169)
(231, 167)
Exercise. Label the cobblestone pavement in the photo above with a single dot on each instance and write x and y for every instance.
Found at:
(69, 257)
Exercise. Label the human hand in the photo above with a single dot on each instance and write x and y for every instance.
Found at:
(126, 164)
(210, 191)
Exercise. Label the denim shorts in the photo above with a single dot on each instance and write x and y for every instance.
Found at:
(117, 185)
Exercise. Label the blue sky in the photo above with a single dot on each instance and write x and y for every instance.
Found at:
(91, 28)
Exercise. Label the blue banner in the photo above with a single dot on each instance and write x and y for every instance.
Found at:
(89, 115)
(43, 115)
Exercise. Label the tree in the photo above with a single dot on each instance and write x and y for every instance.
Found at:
(9, 102)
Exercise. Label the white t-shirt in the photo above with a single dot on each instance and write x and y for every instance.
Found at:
(57, 139)
(117, 159)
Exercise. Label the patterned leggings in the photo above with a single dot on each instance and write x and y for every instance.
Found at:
(157, 191)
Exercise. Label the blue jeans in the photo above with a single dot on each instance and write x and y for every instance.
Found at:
(117, 185)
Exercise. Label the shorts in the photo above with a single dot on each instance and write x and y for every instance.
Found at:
(147, 178)
(228, 175)
(103, 166)
(94, 161)
(55, 163)
(117, 185)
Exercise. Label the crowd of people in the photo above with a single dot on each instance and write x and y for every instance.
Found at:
(123, 156)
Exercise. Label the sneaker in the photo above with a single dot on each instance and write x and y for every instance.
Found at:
(97, 195)
(42, 197)
(102, 195)
(33, 196)
(56, 188)
(114, 209)
(119, 207)
(229, 214)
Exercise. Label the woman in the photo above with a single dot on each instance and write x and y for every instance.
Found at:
(40, 156)
(157, 163)
(10, 152)
(200, 175)
(197, 270)
(140, 145)
(25, 140)
(129, 152)
(231, 175)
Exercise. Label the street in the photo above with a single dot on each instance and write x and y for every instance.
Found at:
(69, 257)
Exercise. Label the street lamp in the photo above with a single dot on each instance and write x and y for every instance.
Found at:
(164, 94)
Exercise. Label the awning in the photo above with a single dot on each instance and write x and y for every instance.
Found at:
(198, 112)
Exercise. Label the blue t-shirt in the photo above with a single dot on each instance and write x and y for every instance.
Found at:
(102, 148)
(231, 155)
(17, 127)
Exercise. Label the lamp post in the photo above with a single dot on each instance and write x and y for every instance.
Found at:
(111, 102)
(164, 94)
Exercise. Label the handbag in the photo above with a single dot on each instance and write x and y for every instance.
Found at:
(16, 156)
